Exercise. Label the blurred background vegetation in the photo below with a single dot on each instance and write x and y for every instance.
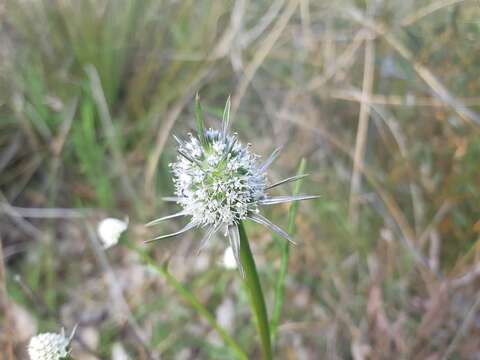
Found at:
(381, 98)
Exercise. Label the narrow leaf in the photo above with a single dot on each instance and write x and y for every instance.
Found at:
(200, 121)
(280, 287)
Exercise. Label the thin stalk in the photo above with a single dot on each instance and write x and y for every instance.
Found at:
(189, 298)
(280, 287)
(255, 293)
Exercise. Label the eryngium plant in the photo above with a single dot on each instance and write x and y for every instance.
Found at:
(219, 183)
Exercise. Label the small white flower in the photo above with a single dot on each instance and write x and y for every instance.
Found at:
(229, 261)
(48, 346)
(220, 183)
(109, 231)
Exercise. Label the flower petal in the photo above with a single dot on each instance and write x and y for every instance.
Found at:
(187, 227)
(286, 199)
(287, 180)
(159, 220)
(267, 223)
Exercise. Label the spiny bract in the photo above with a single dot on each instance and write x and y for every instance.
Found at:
(219, 183)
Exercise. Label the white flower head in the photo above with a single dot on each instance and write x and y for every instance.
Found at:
(219, 183)
(49, 346)
(109, 231)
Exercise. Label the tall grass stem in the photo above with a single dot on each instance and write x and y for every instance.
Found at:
(280, 287)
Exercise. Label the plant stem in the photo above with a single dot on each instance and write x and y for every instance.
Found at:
(255, 293)
(280, 287)
(188, 297)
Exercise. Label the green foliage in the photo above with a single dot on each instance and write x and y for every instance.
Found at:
(91, 154)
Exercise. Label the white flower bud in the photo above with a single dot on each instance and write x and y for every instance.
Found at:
(109, 231)
(48, 346)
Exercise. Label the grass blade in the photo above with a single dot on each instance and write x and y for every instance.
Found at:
(280, 287)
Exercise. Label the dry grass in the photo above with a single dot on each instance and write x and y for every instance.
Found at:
(382, 101)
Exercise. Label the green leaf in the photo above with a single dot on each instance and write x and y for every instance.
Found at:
(280, 287)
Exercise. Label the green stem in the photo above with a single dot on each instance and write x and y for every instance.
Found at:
(188, 297)
(280, 287)
(255, 293)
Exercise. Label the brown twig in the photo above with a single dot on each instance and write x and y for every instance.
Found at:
(255, 32)
(408, 234)
(463, 328)
(116, 293)
(344, 60)
(422, 71)
(427, 10)
(393, 125)
(395, 100)
(43, 213)
(8, 335)
(26, 226)
(261, 54)
(362, 131)
(227, 41)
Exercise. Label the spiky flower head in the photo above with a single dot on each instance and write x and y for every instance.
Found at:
(49, 346)
(219, 182)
